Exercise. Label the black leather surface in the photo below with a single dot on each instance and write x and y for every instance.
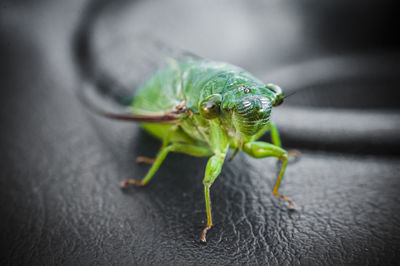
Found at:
(61, 167)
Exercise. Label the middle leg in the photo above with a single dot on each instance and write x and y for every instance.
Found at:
(190, 149)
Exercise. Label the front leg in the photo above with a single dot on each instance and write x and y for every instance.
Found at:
(259, 149)
(220, 143)
(213, 169)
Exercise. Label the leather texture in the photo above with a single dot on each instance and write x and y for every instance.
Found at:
(61, 166)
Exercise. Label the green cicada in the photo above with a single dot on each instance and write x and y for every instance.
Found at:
(204, 108)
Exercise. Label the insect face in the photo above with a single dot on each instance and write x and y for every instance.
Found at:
(250, 106)
(251, 114)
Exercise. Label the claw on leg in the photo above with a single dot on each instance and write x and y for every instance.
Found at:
(293, 155)
(134, 182)
(204, 233)
(291, 203)
(143, 159)
(213, 169)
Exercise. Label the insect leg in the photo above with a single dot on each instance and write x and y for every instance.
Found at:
(293, 155)
(213, 169)
(276, 139)
(259, 149)
(261, 133)
(174, 147)
(144, 159)
(157, 163)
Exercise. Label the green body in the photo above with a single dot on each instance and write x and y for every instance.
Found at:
(190, 83)
(217, 106)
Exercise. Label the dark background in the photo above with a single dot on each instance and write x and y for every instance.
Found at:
(61, 165)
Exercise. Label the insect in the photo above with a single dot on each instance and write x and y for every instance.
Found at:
(204, 108)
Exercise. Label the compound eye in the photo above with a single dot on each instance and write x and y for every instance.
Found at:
(274, 88)
(210, 107)
(277, 94)
(278, 102)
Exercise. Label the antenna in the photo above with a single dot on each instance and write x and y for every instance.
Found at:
(286, 96)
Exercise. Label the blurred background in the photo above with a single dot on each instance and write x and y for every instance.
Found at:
(61, 165)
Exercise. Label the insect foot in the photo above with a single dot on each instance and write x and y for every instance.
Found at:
(204, 233)
(143, 159)
(291, 203)
(134, 182)
(294, 156)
